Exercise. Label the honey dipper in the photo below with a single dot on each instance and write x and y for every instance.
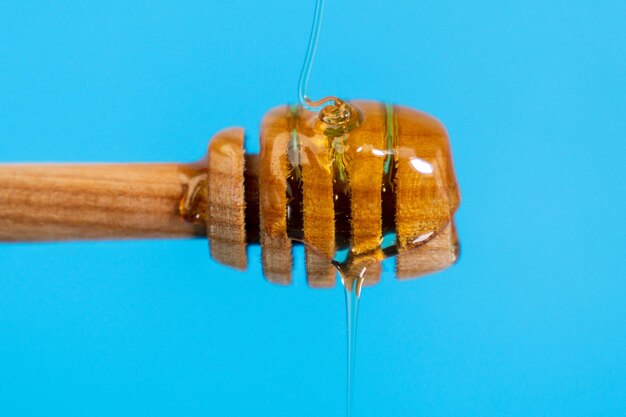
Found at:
(355, 183)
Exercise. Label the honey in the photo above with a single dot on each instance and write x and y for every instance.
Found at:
(353, 172)
(193, 202)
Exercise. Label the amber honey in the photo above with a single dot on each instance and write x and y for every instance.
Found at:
(344, 182)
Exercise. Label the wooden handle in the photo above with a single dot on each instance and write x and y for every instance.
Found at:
(93, 201)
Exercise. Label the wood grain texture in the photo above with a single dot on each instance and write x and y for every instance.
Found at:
(51, 202)
(226, 199)
(275, 244)
(365, 173)
(427, 194)
(318, 210)
(435, 255)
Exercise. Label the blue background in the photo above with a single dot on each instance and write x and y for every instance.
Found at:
(530, 322)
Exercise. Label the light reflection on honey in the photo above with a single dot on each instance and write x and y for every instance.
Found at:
(194, 192)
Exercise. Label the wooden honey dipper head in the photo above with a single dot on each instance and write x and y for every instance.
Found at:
(355, 183)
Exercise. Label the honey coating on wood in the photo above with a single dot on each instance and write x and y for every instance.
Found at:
(213, 194)
(365, 172)
(309, 158)
(273, 173)
(194, 192)
(393, 186)
(226, 198)
(440, 252)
